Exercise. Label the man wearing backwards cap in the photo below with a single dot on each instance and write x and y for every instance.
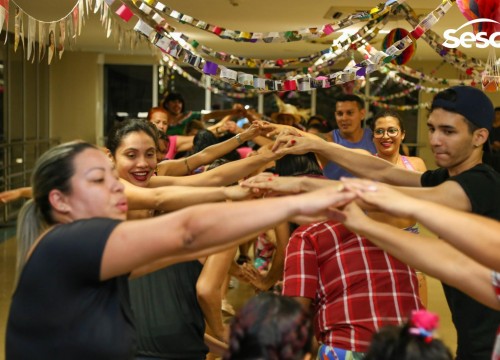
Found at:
(459, 124)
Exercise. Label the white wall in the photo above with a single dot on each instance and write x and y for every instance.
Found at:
(76, 93)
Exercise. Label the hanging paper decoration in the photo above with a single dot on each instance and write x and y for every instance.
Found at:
(453, 57)
(490, 79)
(125, 13)
(397, 35)
(481, 9)
(62, 37)
(18, 28)
(42, 31)
(4, 14)
(31, 38)
(51, 45)
(52, 35)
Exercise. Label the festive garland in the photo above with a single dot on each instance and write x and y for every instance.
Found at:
(400, 107)
(240, 92)
(372, 62)
(472, 67)
(152, 17)
(68, 28)
(159, 9)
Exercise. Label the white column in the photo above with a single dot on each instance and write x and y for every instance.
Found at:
(155, 86)
(260, 103)
(314, 95)
(208, 94)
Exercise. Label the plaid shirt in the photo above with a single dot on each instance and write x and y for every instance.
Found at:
(356, 288)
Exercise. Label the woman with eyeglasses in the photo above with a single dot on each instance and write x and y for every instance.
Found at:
(388, 134)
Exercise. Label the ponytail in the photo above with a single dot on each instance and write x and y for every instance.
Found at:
(30, 225)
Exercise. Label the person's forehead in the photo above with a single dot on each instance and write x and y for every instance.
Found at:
(441, 117)
(89, 158)
(387, 121)
(159, 116)
(346, 105)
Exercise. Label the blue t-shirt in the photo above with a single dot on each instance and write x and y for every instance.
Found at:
(332, 170)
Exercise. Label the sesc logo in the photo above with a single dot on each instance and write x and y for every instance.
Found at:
(468, 38)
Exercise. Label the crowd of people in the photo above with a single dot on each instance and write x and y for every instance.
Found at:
(126, 252)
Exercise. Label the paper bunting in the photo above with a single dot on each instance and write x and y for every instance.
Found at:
(52, 36)
(18, 28)
(62, 38)
(125, 13)
(275, 36)
(490, 78)
(400, 39)
(4, 15)
(41, 37)
(31, 38)
(452, 56)
(51, 45)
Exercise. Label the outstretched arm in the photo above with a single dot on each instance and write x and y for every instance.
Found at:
(184, 166)
(430, 255)
(195, 232)
(357, 162)
(271, 184)
(170, 198)
(14, 194)
(222, 175)
(454, 226)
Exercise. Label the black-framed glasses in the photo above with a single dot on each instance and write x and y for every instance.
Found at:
(391, 132)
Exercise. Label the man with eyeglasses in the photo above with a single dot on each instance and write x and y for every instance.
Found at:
(459, 123)
(349, 114)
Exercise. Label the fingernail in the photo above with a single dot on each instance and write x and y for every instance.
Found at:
(293, 142)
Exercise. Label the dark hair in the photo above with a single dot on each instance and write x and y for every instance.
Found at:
(385, 113)
(451, 96)
(351, 97)
(318, 122)
(53, 170)
(298, 165)
(216, 163)
(116, 135)
(396, 343)
(205, 138)
(270, 327)
(173, 96)
(193, 125)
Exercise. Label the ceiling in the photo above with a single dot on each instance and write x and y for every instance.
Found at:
(251, 16)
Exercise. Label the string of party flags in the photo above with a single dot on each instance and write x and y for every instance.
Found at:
(313, 70)
(373, 62)
(54, 35)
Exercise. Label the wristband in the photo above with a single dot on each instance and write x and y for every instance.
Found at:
(238, 139)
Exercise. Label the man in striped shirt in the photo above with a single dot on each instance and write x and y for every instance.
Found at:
(352, 287)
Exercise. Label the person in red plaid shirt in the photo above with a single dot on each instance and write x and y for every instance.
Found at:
(353, 287)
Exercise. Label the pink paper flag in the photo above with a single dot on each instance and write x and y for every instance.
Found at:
(125, 13)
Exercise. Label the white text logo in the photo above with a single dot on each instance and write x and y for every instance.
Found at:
(481, 39)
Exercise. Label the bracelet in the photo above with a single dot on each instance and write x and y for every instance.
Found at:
(187, 165)
(238, 139)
